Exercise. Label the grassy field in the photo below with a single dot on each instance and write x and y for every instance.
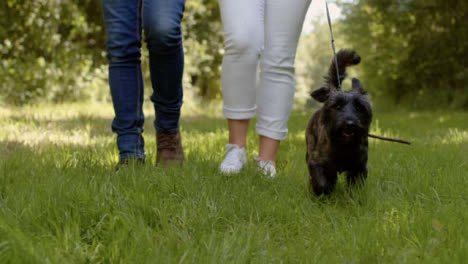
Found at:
(61, 202)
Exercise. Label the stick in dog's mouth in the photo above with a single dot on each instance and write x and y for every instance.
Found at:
(397, 140)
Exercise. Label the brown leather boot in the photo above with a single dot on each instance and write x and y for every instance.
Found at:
(169, 149)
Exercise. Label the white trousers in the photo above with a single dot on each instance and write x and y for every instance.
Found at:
(261, 33)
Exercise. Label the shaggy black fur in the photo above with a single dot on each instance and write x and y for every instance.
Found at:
(336, 135)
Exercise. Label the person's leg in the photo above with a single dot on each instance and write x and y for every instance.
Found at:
(243, 41)
(238, 132)
(162, 26)
(268, 147)
(123, 27)
(283, 26)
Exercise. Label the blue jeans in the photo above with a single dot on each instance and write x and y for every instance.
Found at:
(160, 20)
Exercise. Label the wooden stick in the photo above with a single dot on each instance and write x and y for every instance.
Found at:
(390, 139)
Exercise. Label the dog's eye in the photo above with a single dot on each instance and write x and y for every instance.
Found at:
(338, 106)
(359, 107)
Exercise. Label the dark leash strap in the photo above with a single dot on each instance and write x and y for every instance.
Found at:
(339, 83)
(333, 46)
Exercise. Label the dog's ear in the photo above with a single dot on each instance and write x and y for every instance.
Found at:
(357, 86)
(321, 94)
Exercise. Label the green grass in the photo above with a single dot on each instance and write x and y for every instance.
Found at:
(61, 202)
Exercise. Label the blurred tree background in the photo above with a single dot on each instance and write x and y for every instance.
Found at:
(414, 51)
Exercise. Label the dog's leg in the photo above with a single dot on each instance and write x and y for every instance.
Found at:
(322, 179)
(357, 176)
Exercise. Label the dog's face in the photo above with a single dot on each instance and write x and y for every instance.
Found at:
(348, 114)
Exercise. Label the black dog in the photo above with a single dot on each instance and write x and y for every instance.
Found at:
(336, 135)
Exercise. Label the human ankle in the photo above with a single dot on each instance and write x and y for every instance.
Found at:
(238, 144)
(266, 158)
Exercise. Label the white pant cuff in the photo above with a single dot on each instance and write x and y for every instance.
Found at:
(272, 133)
(239, 114)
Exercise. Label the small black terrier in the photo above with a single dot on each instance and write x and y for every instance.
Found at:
(336, 135)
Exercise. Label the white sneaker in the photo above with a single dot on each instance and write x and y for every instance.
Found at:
(267, 167)
(234, 160)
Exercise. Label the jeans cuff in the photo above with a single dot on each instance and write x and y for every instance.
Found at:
(167, 131)
(132, 156)
(239, 114)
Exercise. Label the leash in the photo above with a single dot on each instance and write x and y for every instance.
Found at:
(339, 83)
(333, 46)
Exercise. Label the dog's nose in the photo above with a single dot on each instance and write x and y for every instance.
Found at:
(350, 124)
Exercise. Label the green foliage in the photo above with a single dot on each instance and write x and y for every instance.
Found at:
(414, 51)
(204, 46)
(48, 49)
(55, 50)
(61, 202)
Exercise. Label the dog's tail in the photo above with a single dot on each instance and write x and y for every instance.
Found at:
(345, 58)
